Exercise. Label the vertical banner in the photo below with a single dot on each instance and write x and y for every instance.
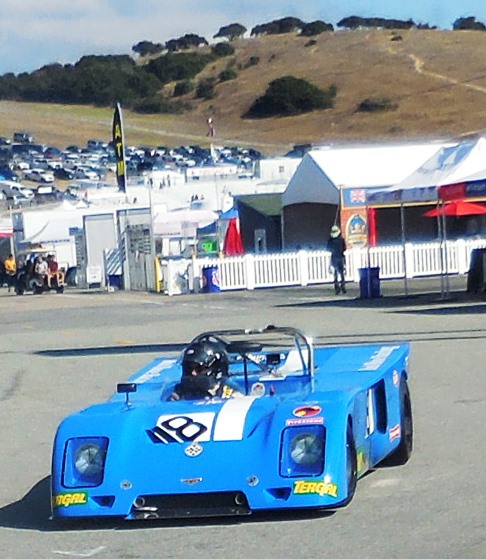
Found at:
(119, 145)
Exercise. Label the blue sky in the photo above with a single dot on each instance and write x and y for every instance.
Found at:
(38, 32)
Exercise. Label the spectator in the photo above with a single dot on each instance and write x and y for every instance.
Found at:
(337, 247)
(41, 270)
(54, 272)
(10, 271)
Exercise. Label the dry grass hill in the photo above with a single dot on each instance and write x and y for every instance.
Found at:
(437, 79)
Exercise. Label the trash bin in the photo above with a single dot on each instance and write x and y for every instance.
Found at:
(115, 281)
(369, 283)
(210, 279)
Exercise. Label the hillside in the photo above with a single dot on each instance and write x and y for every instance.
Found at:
(435, 77)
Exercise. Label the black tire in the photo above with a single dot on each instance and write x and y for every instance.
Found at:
(401, 455)
(351, 465)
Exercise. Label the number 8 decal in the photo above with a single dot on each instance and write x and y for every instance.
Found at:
(182, 428)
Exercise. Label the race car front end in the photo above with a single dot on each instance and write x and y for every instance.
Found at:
(200, 459)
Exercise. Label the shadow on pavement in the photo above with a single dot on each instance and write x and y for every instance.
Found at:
(112, 350)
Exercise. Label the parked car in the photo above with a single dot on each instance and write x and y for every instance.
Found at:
(23, 138)
(64, 174)
(24, 190)
(39, 175)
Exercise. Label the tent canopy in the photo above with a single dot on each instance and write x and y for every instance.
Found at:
(324, 171)
(451, 165)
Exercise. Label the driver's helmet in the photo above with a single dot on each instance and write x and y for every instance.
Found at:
(204, 364)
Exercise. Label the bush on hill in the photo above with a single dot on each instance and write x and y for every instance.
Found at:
(376, 104)
(290, 96)
(159, 105)
(222, 49)
(178, 66)
(183, 87)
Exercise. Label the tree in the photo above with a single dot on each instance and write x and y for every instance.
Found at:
(468, 24)
(290, 96)
(144, 48)
(190, 40)
(316, 28)
(232, 31)
(278, 26)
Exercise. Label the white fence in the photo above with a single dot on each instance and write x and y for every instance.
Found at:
(253, 271)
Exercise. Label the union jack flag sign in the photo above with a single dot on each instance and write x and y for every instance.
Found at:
(357, 196)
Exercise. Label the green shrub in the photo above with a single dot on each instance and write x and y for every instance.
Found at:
(290, 96)
(159, 105)
(376, 104)
(227, 75)
(205, 89)
(223, 49)
(252, 61)
(183, 87)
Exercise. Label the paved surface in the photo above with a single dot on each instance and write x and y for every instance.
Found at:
(62, 352)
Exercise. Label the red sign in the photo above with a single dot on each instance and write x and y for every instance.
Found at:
(452, 191)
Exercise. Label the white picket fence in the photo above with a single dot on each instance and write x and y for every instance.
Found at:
(253, 271)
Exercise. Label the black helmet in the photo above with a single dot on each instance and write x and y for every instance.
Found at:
(207, 358)
(210, 362)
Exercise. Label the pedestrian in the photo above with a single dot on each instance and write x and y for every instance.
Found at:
(10, 271)
(337, 247)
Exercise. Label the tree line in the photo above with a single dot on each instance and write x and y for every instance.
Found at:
(102, 80)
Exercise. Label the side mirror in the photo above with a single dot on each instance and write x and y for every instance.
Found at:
(126, 388)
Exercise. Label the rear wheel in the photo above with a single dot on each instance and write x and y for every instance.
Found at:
(401, 455)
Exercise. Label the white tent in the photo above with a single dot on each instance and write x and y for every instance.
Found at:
(455, 163)
(324, 171)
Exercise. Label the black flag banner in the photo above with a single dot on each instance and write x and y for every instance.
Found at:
(119, 145)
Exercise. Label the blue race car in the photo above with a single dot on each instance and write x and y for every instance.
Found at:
(300, 426)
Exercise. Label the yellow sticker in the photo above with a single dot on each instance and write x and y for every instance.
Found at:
(320, 488)
(68, 499)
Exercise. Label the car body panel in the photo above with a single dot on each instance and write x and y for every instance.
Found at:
(216, 457)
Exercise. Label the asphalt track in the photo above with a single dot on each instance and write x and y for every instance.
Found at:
(62, 352)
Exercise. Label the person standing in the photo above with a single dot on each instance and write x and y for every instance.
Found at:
(10, 271)
(337, 247)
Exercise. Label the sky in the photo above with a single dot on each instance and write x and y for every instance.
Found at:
(34, 33)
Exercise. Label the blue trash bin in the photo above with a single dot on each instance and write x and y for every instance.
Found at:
(369, 283)
(210, 279)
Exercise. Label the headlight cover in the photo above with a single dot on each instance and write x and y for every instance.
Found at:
(302, 451)
(84, 461)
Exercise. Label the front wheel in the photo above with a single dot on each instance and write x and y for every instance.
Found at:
(401, 455)
(351, 465)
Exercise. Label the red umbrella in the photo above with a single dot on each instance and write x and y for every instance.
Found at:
(232, 241)
(457, 208)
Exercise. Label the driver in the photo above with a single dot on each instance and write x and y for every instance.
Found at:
(204, 373)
